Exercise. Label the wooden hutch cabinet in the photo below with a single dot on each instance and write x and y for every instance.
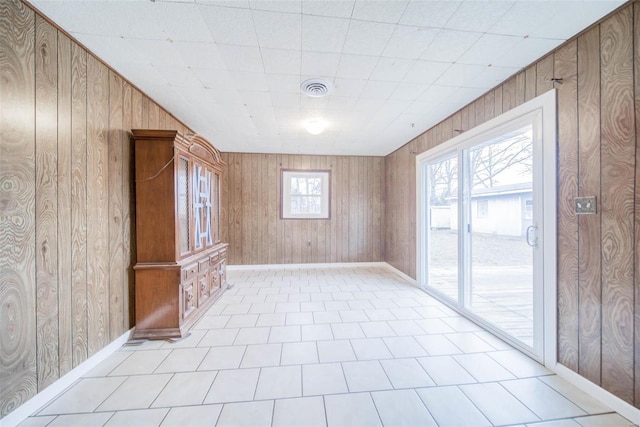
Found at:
(181, 262)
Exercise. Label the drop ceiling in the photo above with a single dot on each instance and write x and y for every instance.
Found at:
(231, 70)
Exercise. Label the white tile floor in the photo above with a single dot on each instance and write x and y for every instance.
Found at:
(324, 347)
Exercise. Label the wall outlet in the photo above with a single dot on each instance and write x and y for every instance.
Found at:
(585, 205)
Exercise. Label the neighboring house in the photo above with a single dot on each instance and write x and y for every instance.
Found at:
(505, 210)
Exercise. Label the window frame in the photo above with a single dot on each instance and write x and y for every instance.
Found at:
(285, 192)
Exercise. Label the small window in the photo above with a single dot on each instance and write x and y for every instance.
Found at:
(482, 207)
(305, 194)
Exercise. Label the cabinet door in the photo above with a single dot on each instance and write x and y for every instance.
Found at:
(216, 208)
(222, 271)
(189, 299)
(214, 280)
(202, 206)
(203, 288)
(183, 206)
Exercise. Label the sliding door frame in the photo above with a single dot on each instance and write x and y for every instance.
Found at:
(544, 107)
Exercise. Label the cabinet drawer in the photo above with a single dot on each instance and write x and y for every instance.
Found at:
(213, 260)
(203, 266)
(190, 272)
(189, 299)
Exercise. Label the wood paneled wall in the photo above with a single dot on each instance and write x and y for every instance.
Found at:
(251, 211)
(66, 205)
(598, 138)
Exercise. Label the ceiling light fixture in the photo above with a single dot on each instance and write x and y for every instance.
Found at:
(315, 126)
(316, 88)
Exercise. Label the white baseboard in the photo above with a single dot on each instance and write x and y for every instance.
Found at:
(245, 267)
(614, 402)
(32, 405)
(401, 274)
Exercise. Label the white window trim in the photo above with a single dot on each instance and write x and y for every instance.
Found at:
(285, 193)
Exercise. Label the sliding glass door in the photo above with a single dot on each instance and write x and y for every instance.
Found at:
(500, 217)
(481, 227)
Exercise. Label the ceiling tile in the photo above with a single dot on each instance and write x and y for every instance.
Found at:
(278, 30)
(341, 103)
(313, 104)
(521, 54)
(392, 69)
(320, 64)
(378, 90)
(356, 66)
(323, 34)
(433, 14)
(368, 105)
(460, 75)
(278, 61)
(179, 76)
(158, 52)
(488, 49)
(226, 96)
(436, 94)
(255, 99)
(557, 19)
(409, 42)
(426, 72)
(492, 76)
(289, 6)
(250, 81)
(333, 8)
(367, 38)
(283, 83)
(114, 50)
(408, 91)
(230, 25)
(379, 11)
(449, 45)
(478, 15)
(199, 55)
(214, 79)
(287, 100)
(127, 19)
(143, 75)
(181, 21)
(348, 87)
(241, 58)
(232, 69)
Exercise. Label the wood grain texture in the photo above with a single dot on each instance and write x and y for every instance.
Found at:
(256, 233)
(508, 95)
(589, 267)
(65, 222)
(79, 310)
(18, 375)
(636, 66)
(544, 74)
(607, 142)
(65, 290)
(618, 178)
(128, 208)
(567, 226)
(115, 202)
(46, 203)
(97, 204)
(154, 115)
(530, 83)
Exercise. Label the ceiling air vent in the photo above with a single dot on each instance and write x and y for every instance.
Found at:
(316, 87)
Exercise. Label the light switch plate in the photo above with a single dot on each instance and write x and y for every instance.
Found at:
(585, 205)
